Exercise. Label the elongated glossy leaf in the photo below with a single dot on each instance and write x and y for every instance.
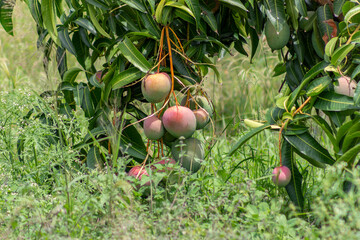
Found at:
(179, 6)
(318, 85)
(209, 18)
(95, 22)
(159, 10)
(246, 137)
(254, 42)
(93, 158)
(98, 3)
(301, 6)
(208, 39)
(340, 53)
(6, 10)
(151, 25)
(331, 101)
(132, 143)
(136, 4)
(234, 3)
(294, 129)
(294, 188)
(294, 74)
(315, 70)
(276, 14)
(194, 6)
(338, 4)
(94, 133)
(330, 46)
(323, 14)
(357, 94)
(83, 22)
(351, 139)
(310, 149)
(274, 114)
(71, 74)
(293, 13)
(49, 18)
(126, 77)
(132, 54)
(325, 127)
(351, 13)
(350, 155)
(66, 41)
(35, 9)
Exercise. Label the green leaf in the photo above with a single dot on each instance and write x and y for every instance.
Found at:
(310, 149)
(49, 19)
(331, 101)
(133, 55)
(276, 14)
(66, 41)
(234, 3)
(194, 6)
(98, 3)
(325, 127)
(350, 155)
(294, 129)
(351, 139)
(254, 42)
(355, 72)
(301, 6)
(340, 53)
(131, 143)
(35, 9)
(203, 38)
(357, 95)
(294, 74)
(294, 188)
(315, 70)
(159, 10)
(209, 18)
(95, 22)
(179, 6)
(151, 25)
(247, 137)
(6, 11)
(338, 4)
(71, 74)
(83, 22)
(93, 158)
(330, 46)
(351, 13)
(274, 114)
(318, 85)
(293, 13)
(136, 4)
(126, 77)
(324, 13)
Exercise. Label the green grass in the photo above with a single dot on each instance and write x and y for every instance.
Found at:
(44, 195)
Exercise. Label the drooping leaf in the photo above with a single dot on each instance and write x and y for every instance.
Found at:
(294, 188)
(325, 127)
(71, 74)
(246, 137)
(93, 158)
(66, 41)
(351, 13)
(95, 22)
(49, 18)
(132, 54)
(194, 6)
(331, 101)
(301, 6)
(293, 13)
(350, 155)
(136, 4)
(310, 149)
(6, 11)
(338, 4)
(318, 85)
(276, 14)
(83, 22)
(340, 53)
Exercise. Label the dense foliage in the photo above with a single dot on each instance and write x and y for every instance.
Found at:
(117, 43)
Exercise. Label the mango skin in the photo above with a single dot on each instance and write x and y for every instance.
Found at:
(202, 118)
(276, 40)
(153, 128)
(281, 176)
(190, 155)
(137, 172)
(202, 102)
(179, 121)
(156, 87)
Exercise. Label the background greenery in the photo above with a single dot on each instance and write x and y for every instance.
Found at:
(44, 196)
